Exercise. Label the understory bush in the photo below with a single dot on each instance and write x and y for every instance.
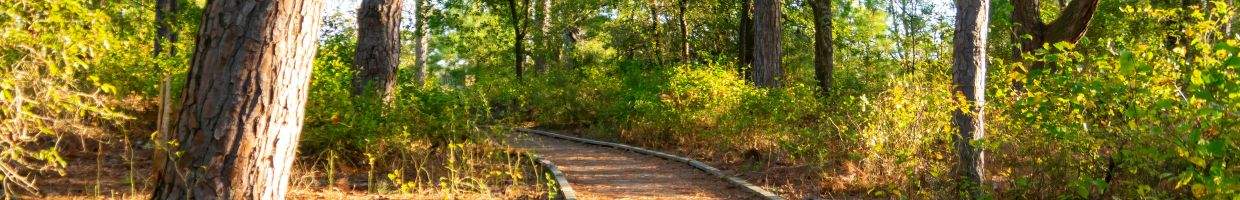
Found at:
(428, 137)
(1137, 122)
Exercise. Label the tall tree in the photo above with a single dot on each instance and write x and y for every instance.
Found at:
(165, 18)
(684, 31)
(569, 44)
(378, 47)
(654, 31)
(519, 38)
(969, 79)
(823, 48)
(744, 47)
(1069, 27)
(243, 101)
(543, 49)
(904, 30)
(1229, 30)
(421, 40)
(1033, 33)
(766, 50)
(1231, 19)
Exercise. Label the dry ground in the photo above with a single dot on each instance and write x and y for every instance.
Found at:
(104, 172)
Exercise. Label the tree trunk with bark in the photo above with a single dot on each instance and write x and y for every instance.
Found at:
(165, 15)
(543, 51)
(1229, 29)
(1070, 27)
(518, 40)
(823, 44)
(969, 79)
(766, 52)
(744, 48)
(1231, 19)
(1033, 33)
(378, 47)
(420, 41)
(243, 101)
(654, 30)
(569, 38)
(684, 32)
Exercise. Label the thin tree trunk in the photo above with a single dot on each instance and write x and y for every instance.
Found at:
(518, 39)
(910, 39)
(969, 79)
(684, 32)
(897, 35)
(823, 48)
(378, 47)
(164, 31)
(543, 54)
(164, 133)
(1229, 30)
(570, 43)
(243, 102)
(1231, 19)
(654, 30)
(745, 35)
(421, 40)
(766, 52)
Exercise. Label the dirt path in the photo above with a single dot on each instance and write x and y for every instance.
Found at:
(597, 172)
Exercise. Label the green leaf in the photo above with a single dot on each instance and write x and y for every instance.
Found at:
(1227, 47)
(1195, 78)
(1064, 45)
(1126, 63)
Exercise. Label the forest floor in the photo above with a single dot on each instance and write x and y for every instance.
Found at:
(110, 171)
(597, 172)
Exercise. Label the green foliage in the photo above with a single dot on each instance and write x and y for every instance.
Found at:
(1132, 117)
(1144, 107)
(50, 52)
(337, 119)
(426, 136)
(1100, 112)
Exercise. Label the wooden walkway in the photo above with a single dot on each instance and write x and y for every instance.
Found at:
(598, 172)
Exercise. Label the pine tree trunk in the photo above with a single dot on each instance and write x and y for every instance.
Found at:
(744, 49)
(823, 48)
(1069, 27)
(654, 30)
(420, 41)
(766, 51)
(243, 101)
(684, 32)
(969, 79)
(378, 47)
(518, 39)
(543, 50)
(165, 15)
